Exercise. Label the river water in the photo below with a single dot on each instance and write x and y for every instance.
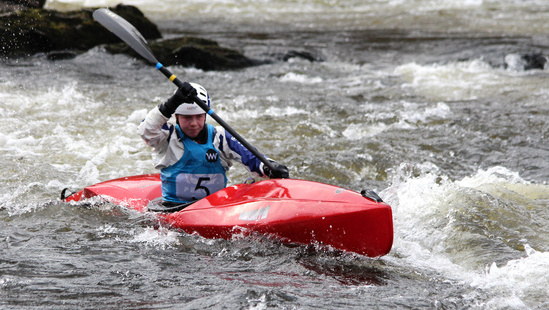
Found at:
(412, 99)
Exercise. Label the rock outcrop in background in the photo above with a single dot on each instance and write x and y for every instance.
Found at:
(27, 29)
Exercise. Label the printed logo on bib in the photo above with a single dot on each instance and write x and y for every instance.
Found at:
(211, 156)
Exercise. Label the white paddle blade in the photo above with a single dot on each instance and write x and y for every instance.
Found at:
(125, 31)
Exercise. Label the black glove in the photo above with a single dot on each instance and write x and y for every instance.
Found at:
(183, 94)
(280, 171)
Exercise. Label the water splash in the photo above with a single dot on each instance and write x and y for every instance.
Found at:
(458, 228)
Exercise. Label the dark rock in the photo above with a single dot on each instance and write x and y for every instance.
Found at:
(12, 5)
(63, 35)
(61, 55)
(527, 61)
(191, 52)
(30, 31)
(301, 54)
(534, 61)
(291, 54)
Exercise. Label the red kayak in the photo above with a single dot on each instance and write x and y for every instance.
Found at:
(290, 210)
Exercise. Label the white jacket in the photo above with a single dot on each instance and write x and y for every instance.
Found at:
(155, 130)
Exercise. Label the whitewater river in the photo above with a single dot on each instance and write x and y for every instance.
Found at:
(412, 99)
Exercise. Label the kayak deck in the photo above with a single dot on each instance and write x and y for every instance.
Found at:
(293, 211)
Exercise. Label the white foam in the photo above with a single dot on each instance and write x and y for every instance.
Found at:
(415, 113)
(497, 175)
(424, 204)
(158, 237)
(454, 81)
(300, 78)
(475, 16)
(520, 283)
(286, 111)
(361, 131)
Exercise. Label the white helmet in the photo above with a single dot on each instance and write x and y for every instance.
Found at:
(192, 108)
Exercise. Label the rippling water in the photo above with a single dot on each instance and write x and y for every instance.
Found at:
(412, 99)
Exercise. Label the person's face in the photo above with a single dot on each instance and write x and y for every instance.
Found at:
(191, 125)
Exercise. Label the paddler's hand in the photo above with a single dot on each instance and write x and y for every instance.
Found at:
(184, 94)
(280, 171)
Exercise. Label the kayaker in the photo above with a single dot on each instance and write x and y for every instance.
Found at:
(193, 156)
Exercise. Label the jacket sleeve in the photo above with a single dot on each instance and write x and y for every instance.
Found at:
(155, 130)
(232, 150)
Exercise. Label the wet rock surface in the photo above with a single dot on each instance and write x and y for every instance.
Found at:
(26, 31)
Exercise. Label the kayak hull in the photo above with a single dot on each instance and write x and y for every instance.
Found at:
(290, 210)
